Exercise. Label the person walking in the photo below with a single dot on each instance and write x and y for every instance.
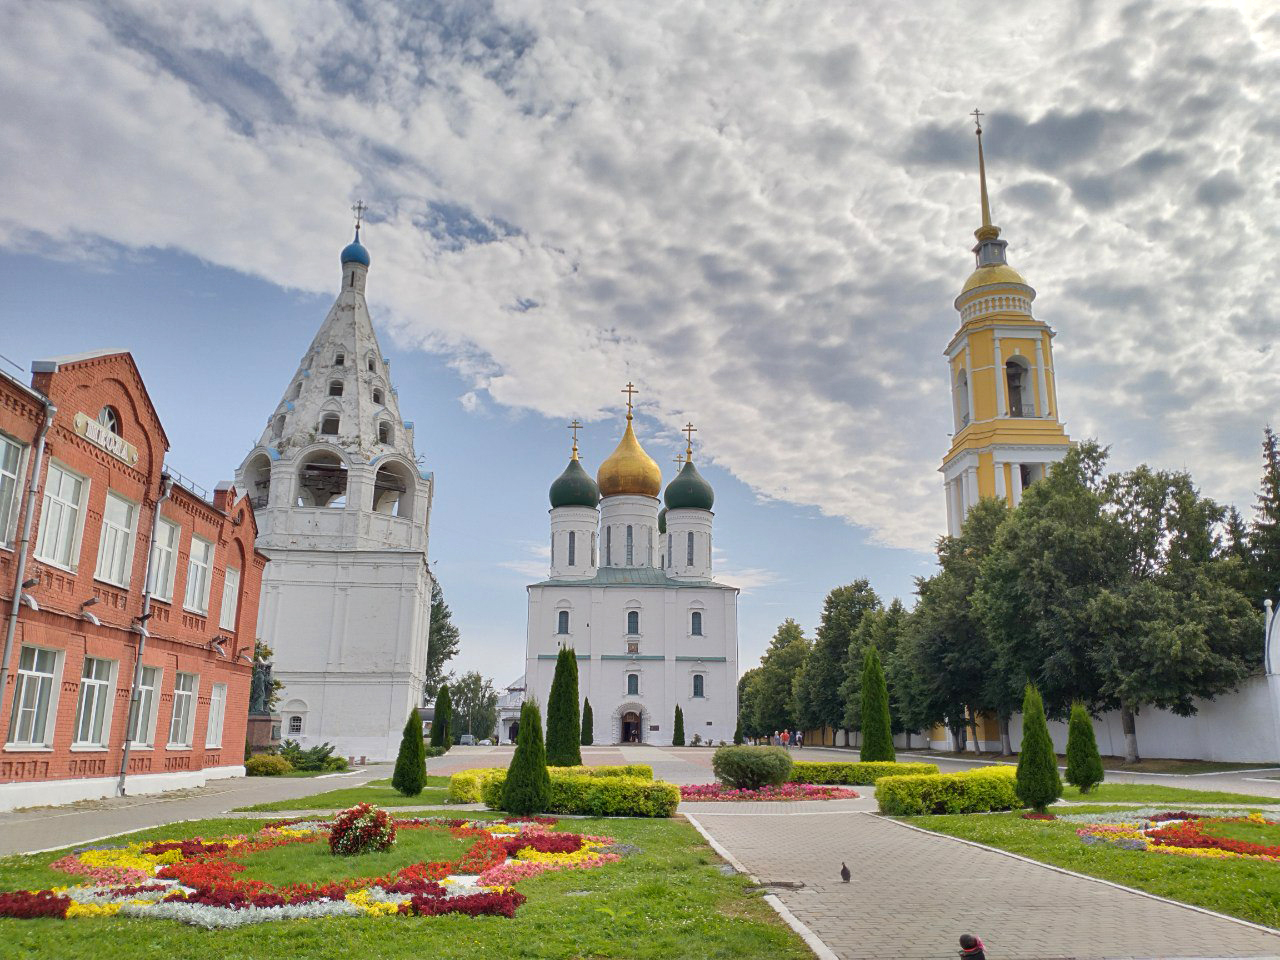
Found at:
(799, 739)
(786, 738)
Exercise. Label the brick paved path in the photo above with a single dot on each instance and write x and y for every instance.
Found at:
(914, 893)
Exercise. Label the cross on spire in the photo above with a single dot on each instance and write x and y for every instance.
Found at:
(575, 427)
(982, 171)
(977, 118)
(689, 431)
(679, 458)
(630, 390)
(358, 208)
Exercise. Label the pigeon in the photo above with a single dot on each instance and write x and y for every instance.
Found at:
(844, 873)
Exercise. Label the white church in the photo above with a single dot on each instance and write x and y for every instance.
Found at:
(631, 591)
(342, 508)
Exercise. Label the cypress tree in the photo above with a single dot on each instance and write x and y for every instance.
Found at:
(442, 725)
(1084, 765)
(737, 734)
(877, 731)
(588, 725)
(563, 733)
(677, 738)
(528, 786)
(1038, 781)
(410, 775)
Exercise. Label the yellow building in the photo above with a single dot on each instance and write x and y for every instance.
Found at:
(1003, 391)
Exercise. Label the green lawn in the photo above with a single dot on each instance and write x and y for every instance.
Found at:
(1249, 889)
(1118, 764)
(313, 863)
(1149, 793)
(668, 901)
(1267, 834)
(378, 792)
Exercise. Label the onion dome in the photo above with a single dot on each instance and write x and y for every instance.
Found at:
(662, 520)
(992, 273)
(629, 470)
(689, 491)
(574, 487)
(354, 252)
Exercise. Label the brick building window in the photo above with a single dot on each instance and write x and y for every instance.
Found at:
(164, 560)
(108, 417)
(184, 708)
(230, 599)
(30, 724)
(10, 457)
(142, 730)
(60, 517)
(198, 568)
(217, 711)
(93, 710)
(115, 545)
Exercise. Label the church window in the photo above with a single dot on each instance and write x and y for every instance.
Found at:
(108, 417)
(1018, 381)
(322, 480)
(688, 559)
(370, 364)
(608, 546)
(277, 428)
(633, 622)
(340, 359)
(378, 396)
(297, 390)
(633, 684)
(393, 488)
(671, 559)
(630, 561)
(699, 685)
(335, 388)
(329, 426)
(295, 724)
(562, 622)
(384, 432)
(573, 547)
(695, 623)
(593, 549)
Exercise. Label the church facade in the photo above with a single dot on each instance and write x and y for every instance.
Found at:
(631, 591)
(343, 510)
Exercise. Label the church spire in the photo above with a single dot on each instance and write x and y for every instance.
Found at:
(990, 248)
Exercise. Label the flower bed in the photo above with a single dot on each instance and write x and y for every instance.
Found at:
(719, 792)
(195, 881)
(1179, 833)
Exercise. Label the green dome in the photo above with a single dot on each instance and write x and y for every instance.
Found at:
(688, 491)
(662, 520)
(574, 488)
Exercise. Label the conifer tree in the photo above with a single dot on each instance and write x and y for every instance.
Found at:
(877, 731)
(588, 725)
(410, 774)
(1038, 781)
(737, 733)
(1264, 536)
(563, 732)
(1084, 765)
(677, 738)
(527, 788)
(442, 725)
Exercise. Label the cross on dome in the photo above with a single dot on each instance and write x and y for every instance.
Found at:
(630, 390)
(575, 426)
(689, 431)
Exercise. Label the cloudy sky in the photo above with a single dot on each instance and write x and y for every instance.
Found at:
(759, 212)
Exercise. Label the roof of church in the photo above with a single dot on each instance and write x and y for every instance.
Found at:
(634, 577)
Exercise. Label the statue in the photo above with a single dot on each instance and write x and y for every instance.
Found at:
(260, 690)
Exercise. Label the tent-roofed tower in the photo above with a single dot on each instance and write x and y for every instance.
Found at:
(343, 510)
(1003, 390)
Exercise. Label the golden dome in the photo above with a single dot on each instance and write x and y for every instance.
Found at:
(629, 470)
(992, 273)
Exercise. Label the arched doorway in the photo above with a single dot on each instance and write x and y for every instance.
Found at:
(631, 727)
(515, 731)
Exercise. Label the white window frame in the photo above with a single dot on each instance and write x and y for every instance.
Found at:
(696, 623)
(144, 720)
(96, 695)
(183, 717)
(217, 715)
(115, 543)
(563, 616)
(627, 681)
(292, 718)
(10, 483)
(195, 597)
(69, 528)
(693, 693)
(163, 568)
(24, 677)
(230, 599)
(636, 631)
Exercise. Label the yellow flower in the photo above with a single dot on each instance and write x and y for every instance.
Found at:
(93, 909)
(375, 908)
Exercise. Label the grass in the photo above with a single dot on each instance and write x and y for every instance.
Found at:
(1149, 793)
(1267, 834)
(1249, 889)
(668, 901)
(1118, 764)
(313, 863)
(378, 792)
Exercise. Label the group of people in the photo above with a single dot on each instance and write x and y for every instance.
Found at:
(787, 739)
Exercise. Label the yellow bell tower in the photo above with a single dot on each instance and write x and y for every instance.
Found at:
(1004, 396)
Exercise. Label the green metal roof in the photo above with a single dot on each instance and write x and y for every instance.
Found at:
(633, 577)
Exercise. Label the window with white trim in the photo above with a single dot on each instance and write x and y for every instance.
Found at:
(199, 566)
(93, 709)
(295, 724)
(142, 730)
(695, 623)
(608, 546)
(633, 684)
(633, 622)
(573, 547)
(688, 562)
(184, 709)
(230, 599)
(629, 551)
(115, 545)
(699, 685)
(30, 723)
(10, 459)
(60, 517)
(217, 712)
(164, 559)
(562, 622)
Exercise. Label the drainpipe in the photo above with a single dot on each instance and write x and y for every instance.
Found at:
(166, 485)
(19, 577)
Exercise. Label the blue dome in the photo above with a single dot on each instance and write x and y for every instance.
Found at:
(355, 252)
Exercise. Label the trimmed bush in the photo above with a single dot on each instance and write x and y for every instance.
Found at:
(974, 791)
(877, 731)
(266, 765)
(441, 726)
(640, 770)
(1084, 766)
(752, 767)
(596, 796)
(526, 786)
(410, 774)
(563, 748)
(677, 738)
(466, 786)
(588, 725)
(1038, 782)
(862, 774)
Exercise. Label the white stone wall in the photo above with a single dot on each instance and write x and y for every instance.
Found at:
(639, 513)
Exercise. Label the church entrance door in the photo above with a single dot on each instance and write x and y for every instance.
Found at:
(631, 727)
(515, 730)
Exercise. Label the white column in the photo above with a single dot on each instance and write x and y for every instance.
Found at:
(1041, 382)
(972, 474)
(1001, 386)
(968, 379)
(953, 524)
(1015, 480)
(999, 471)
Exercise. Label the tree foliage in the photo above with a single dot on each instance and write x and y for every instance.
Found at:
(442, 724)
(588, 725)
(820, 685)
(677, 736)
(1084, 765)
(1263, 571)
(773, 702)
(877, 734)
(1038, 781)
(474, 704)
(563, 731)
(527, 788)
(410, 774)
(442, 641)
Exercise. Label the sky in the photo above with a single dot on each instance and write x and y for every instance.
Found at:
(758, 212)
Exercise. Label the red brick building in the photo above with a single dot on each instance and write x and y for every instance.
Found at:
(102, 555)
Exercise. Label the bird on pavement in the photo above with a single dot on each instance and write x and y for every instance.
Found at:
(844, 873)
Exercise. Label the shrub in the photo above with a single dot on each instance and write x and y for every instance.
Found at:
(737, 734)
(442, 724)
(336, 764)
(429, 751)
(974, 791)
(1084, 766)
(362, 829)
(1038, 781)
(563, 749)
(877, 732)
(863, 774)
(526, 786)
(410, 774)
(677, 738)
(595, 796)
(313, 758)
(641, 770)
(588, 725)
(266, 765)
(466, 786)
(751, 767)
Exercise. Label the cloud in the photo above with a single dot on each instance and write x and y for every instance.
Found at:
(759, 214)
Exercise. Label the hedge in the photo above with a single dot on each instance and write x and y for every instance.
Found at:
(597, 796)
(863, 774)
(266, 765)
(974, 791)
(466, 785)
